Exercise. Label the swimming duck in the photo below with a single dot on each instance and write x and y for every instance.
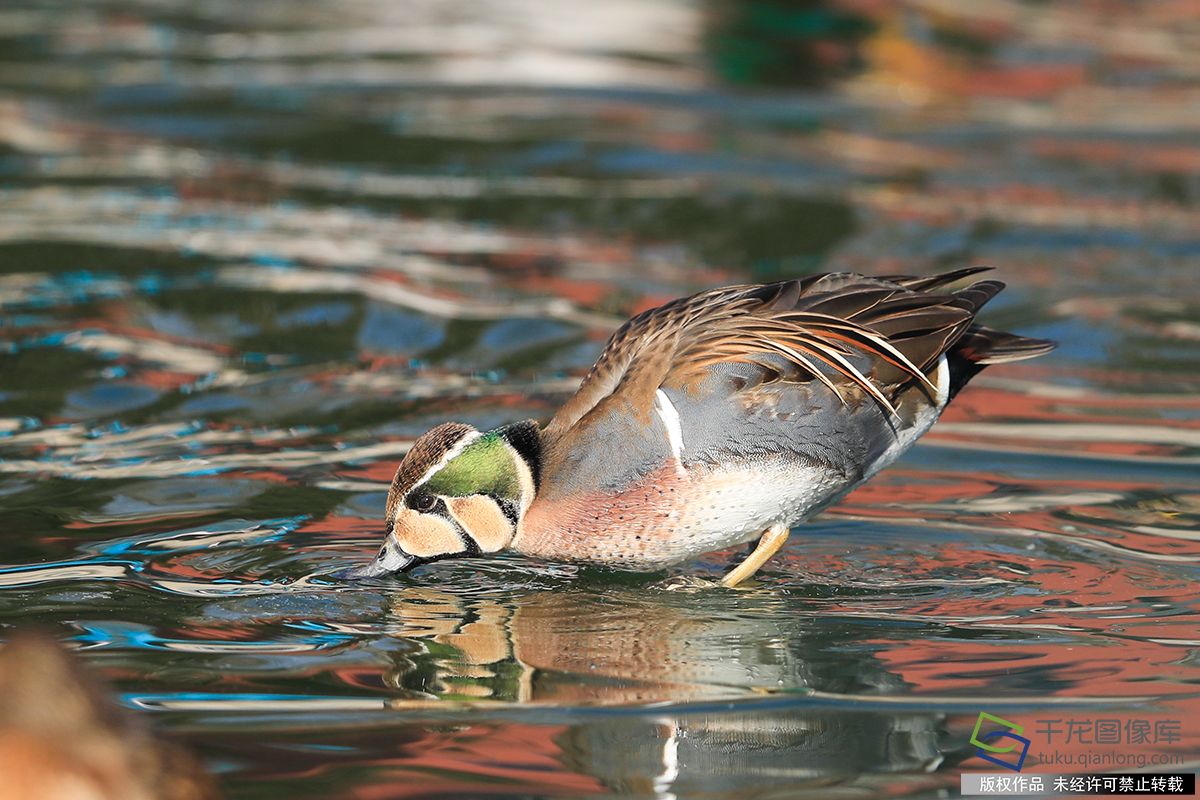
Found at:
(714, 420)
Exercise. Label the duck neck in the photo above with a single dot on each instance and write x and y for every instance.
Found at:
(525, 438)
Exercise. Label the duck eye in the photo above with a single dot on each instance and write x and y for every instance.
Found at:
(424, 503)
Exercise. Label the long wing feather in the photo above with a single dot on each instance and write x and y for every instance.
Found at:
(846, 332)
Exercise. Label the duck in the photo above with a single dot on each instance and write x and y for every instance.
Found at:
(716, 420)
(64, 737)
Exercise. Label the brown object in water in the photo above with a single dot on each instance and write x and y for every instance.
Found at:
(63, 738)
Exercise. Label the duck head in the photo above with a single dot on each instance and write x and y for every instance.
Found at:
(458, 492)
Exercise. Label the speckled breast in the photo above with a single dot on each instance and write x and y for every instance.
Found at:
(672, 515)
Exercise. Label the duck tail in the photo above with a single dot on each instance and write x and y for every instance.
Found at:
(980, 346)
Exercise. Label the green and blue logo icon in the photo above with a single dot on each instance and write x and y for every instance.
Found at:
(990, 744)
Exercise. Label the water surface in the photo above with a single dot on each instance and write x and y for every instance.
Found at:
(248, 253)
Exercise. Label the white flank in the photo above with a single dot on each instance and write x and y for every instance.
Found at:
(922, 421)
(670, 418)
(942, 382)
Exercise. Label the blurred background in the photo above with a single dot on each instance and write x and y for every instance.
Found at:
(248, 251)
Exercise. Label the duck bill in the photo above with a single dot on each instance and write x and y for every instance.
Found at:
(391, 559)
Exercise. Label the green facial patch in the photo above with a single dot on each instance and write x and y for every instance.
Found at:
(486, 466)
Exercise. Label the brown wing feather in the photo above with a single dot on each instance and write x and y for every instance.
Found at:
(856, 335)
(924, 283)
(651, 331)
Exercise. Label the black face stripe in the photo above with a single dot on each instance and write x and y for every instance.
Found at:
(472, 547)
(440, 509)
(509, 509)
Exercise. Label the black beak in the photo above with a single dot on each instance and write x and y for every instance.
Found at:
(390, 559)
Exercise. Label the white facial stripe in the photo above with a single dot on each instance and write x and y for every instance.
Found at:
(452, 453)
(524, 475)
(670, 418)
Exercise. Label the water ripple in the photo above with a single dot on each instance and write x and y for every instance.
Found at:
(249, 254)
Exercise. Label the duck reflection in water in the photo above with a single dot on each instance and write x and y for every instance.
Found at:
(632, 648)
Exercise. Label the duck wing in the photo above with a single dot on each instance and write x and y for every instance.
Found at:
(855, 335)
(837, 339)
